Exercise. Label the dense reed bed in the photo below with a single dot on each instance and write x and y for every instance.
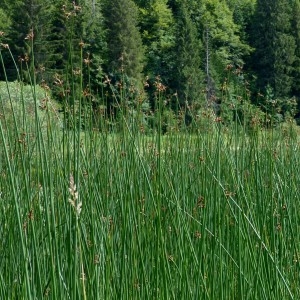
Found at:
(96, 215)
(124, 214)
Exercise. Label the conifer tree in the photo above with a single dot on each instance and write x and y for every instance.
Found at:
(65, 43)
(296, 33)
(124, 59)
(242, 11)
(275, 46)
(125, 49)
(188, 75)
(157, 26)
(94, 37)
(57, 41)
(30, 26)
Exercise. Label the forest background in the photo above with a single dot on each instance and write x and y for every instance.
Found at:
(191, 51)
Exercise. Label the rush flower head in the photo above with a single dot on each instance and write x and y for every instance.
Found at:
(87, 60)
(81, 44)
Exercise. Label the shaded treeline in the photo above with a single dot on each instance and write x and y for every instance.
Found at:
(186, 49)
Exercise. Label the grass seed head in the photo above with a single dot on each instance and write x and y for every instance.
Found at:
(74, 196)
(30, 35)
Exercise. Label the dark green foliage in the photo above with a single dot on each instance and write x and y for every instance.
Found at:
(26, 36)
(125, 49)
(124, 60)
(5, 21)
(296, 33)
(242, 11)
(274, 42)
(78, 47)
(221, 39)
(57, 38)
(157, 26)
(96, 45)
(158, 33)
(188, 77)
(64, 52)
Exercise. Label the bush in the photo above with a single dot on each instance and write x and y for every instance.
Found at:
(20, 103)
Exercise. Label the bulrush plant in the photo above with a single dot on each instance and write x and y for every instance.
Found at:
(103, 214)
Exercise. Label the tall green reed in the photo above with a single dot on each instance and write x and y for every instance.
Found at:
(96, 214)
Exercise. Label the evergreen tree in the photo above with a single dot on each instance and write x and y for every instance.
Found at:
(188, 77)
(157, 25)
(296, 33)
(125, 49)
(30, 26)
(64, 51)
(242, 11)
(274, 42)
(57, 41)
(94, 37)
(124, 60)
(5, 24)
